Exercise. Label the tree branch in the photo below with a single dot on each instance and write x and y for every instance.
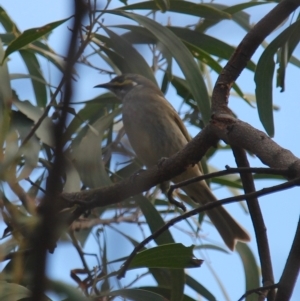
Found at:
(241, 134)
(46, 230)
(259, 226)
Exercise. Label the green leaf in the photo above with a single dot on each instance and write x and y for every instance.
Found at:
(285, 55)
(87, 156)
(12, 291)
(163, 5)
(11, 152)
(33, 67)
(207, 43)
(251, 269)
(154, 220)
(7, 22)
(45, 130)
(5, 97)
(90, 113)
(131, 56)
(183, 57)
(211, 247)
(30, 35)
(264, 78)
(5, 89)
(199, 288)
(14, 76)
(72, 182)
(49, 54)
(178, 281)
(137, 295)
(113, 59)
(174, 256)
(241, 6)
(31, 149)
(67, 290)
(228, 182)
(165, 292)
(240, 17)
(7, 37)
(183, 7)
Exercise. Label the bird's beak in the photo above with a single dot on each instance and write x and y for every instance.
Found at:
(106, 85)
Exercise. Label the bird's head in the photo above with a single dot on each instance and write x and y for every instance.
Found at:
(125, 83)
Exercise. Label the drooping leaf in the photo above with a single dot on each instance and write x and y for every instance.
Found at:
(13, 291)
(251, 270)
(264, 78)
(67, 290)
(45, 130)
(238, 16)
(7, 22)
(209, 44)
(285, 56)
(72, 182)
(87, 156)
(49, 54)
(31, 35)
(30, 150)
(155, 221)
(174, 256)
(137, 295)
(163, 5)
(33, 67)
(14, 76)
(113, 59)
(199, 288)
(183, 7)
(5, 96)
(132, 57)
(93, 109)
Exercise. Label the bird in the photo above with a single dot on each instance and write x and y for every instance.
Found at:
(155, 131)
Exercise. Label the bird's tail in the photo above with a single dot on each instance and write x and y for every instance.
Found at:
(230, 230)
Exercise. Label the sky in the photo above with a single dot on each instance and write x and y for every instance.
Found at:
(280, 210)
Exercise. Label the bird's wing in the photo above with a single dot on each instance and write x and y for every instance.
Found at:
(183, 129)
(175, 117)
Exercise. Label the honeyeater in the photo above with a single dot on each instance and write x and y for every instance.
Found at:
(155, 131)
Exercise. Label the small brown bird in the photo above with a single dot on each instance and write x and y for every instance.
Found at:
(155, 130)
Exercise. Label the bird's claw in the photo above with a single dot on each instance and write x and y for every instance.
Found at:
(177, 204)
(136, 174)
(161, 161)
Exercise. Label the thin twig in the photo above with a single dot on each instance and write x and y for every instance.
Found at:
(229, 170)
(259, 226)
(258, 290)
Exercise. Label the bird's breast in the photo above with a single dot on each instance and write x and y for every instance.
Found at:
(150, 130)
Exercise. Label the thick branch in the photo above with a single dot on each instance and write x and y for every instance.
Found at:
(46, 231)
(143, 181)
(233, 131)
(241, 134)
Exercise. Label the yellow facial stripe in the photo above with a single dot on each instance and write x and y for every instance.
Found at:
(126, 82)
